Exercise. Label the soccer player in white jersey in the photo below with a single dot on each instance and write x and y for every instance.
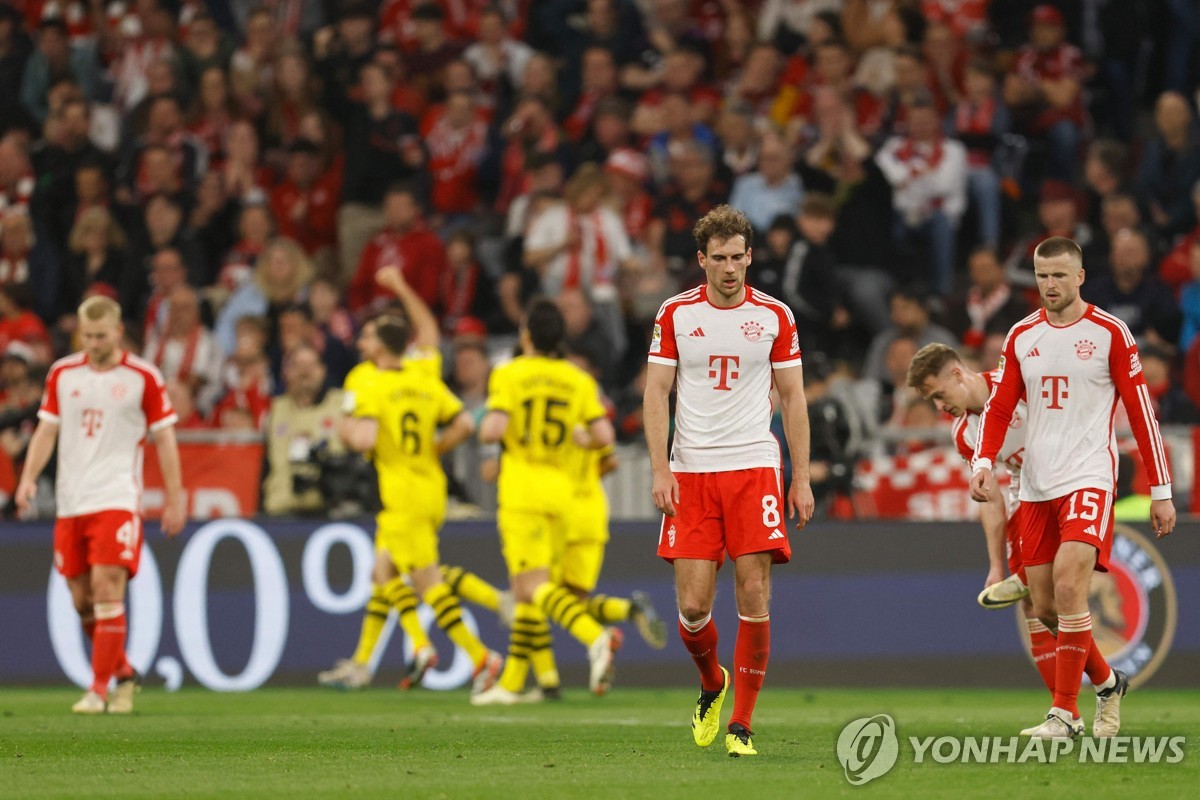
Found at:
(97, 407)
(937, 372)
(722, 345)
(1071, 362)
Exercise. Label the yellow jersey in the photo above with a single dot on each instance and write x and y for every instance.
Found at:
(545, 399)
(409, 404)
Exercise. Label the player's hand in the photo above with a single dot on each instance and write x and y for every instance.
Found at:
(1162, 517)
(800, 502)
(173, 517)
(582, 437)
(391, 278)
(26, 492)
(665, 492)
(995, 575)
(979, 486)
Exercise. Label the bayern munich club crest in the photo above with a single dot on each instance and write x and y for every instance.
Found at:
(1085, 349)
(1134, 607)
(752, 331)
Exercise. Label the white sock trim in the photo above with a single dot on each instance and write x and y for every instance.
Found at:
(108, 610)
(763, 618)
(694, 627)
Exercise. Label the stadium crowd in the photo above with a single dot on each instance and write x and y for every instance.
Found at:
(235, 173)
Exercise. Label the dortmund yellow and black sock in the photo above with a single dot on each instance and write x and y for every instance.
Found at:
(472, 588)
(374, 618)
(401, 597)
(448, 613)
(527, 621)
(608, 610)
(541, 658)
(565, 609)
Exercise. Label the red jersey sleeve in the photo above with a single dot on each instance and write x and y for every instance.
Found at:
(156, 405)
(1125, 364)
(998, 411)
(785, 350)
(49, 407)
(662, 342)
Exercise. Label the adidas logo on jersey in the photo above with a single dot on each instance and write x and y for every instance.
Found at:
(1032, 353)
(697, 332)
(776, 534)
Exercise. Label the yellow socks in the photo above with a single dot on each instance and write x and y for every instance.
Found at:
(608, 610)
(527, 622)
(401, 596)
(545, 669)
(472, 588)
(565, 609)
(448, 613)
(374, 618)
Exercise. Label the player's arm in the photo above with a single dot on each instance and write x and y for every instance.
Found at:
(789, 382)
(994, 516)
(491, 430)
(41, 447)
(609, 462)
(596, 435)
(457, 432)
(359, 433)
(426, 335)
(993, 422)
(656, 420)
(1126, 367)
(174, 515)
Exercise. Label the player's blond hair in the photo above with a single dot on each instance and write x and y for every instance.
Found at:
(1057, 246)
(99, 307)
(929, 361)
(722, 224)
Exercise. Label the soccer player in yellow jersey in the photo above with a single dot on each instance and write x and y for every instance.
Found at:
(396, 418)
(389, 589)
(539, 407)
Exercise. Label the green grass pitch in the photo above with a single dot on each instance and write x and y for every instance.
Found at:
(635, 743)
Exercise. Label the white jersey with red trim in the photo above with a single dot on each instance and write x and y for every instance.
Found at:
(102, 418)
(1012, 452)
(724, 359)
(1071, 377)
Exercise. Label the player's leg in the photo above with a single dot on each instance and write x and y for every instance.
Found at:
(428, 583)
(1042, 644)
(114, 543)
(355, 672)
(475, 590)
(108, 641)
(581, 571)
(1072, 577)
(752, 586)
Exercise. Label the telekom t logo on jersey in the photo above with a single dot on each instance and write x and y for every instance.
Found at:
(92, 417)
(724, 369)
(1054, 389)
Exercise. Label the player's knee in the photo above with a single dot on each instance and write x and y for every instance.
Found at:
(693, 610)
(83, 607)
(753, 590)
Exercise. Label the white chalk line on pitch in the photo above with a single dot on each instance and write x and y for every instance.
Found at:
(538, 720)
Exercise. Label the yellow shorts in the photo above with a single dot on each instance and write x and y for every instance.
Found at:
(410, 539)
(530, 539)
(587, 534)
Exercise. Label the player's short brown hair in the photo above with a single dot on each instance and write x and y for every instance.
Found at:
(722, 223)
(98, 307)
(393, 333)
(928, 362)
(1057, 246)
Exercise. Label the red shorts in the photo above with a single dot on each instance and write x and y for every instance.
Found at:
(109, 538)
(1084, 515)
(1012, 535)
(740, 511)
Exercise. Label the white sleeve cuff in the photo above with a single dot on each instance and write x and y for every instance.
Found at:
(1160, 492)
(981, 463)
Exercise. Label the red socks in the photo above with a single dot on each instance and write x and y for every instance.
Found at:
(700, 639)
(1096, 668)
(1043, 645)
(108, 645)
(1074, 646)
(750, 656)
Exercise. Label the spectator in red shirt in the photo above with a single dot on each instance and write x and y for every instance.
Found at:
(457, 140)
(628, 171)
(404, 242)
(305, 203)
(1044, 91)
(978, 121)
(1176, 268)
(19, 324)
